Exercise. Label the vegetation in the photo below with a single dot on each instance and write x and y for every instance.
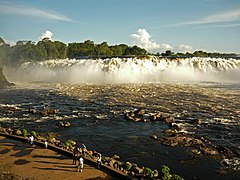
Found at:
(46, 49)
(198, 54)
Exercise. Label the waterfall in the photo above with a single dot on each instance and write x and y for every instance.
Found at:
(130, 70)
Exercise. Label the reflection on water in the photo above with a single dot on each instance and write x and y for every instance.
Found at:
(96, 114)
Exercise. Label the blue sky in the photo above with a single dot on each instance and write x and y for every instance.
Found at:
(157, 25)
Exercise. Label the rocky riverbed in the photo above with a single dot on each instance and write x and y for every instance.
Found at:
(192, 128)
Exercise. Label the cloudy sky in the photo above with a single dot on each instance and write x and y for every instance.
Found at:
(157, 25)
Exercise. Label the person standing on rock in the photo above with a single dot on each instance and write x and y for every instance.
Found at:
(80, 164)
(75, 155)
(99, 161)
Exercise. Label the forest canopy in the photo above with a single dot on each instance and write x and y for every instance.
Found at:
(46, 49)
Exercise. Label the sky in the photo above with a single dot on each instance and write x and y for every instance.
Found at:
(156, 25)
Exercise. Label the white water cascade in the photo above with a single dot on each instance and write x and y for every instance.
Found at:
(130, 70)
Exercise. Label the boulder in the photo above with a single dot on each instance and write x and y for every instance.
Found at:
(3, 80)
(48, 111)
(18, 132)
(139, 112)
(116, 157)
(209, 151)
(154, 137)
(63, 124)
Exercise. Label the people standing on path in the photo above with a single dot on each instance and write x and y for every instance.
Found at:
(80, 164)
(99, 161)
(84, 150)
(75, 155)
(46, 144)
(31, 138)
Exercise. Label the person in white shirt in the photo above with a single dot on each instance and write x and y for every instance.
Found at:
(99, 161)
(46, 144)
(80, 165)
(31, 140)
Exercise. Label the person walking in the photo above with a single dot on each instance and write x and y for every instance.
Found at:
(75, 155)
(99, 161)
(80, 164)
(46, 144)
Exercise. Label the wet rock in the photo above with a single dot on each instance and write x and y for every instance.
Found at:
(135, 116)
(196, 121)
(116, 157)
(139, 112)
(154, 137)
(196, 152)
(170, 132)
(63, 124)
(49, 111)
(225, 151)
(209, 151)
(32, 110)
(181, 140)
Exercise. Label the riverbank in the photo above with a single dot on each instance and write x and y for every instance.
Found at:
(21, 161)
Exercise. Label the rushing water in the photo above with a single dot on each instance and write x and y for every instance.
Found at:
(96, 111)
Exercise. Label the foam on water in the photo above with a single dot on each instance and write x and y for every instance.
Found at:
(129, 70)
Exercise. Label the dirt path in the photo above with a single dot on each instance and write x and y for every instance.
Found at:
(21, 161)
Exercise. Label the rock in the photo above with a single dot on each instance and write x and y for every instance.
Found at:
(181, 140)
(116, 157)
(225, 151)
(139, 112)
(153, 118)
(209, 151)
(32, 110)
(170, 132)
(48, 111)
(3, 81)
(195, 152)
(18, 132)
(154, 137)
(63, 124)
(196, 121)
(165, 118)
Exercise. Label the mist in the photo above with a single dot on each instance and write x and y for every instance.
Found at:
(127, 70)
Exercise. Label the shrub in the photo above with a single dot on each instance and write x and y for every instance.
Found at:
(24, 133)
(33, 133)
(148, 172)
(165, 173)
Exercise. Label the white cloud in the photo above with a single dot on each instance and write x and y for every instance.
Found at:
(183, 48)
(228, 16)
(142, 39)
(9, 8)
(46, 34)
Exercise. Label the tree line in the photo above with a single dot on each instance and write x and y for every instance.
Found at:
(46, 49)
